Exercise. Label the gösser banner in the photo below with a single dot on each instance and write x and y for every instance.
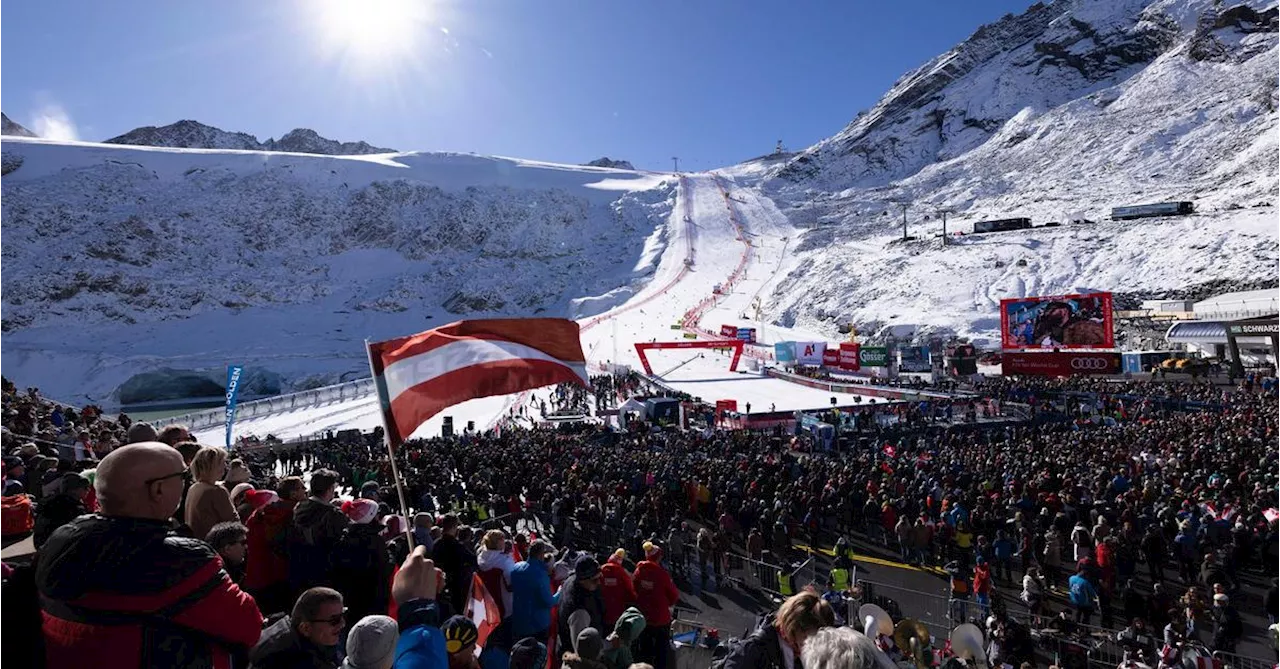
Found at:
(1048, 363)
(1066, 321)
(874, 356)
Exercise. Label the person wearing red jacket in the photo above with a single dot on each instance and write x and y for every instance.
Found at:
(656, 593)
(118, 587)
(616, 588)
(267, 566)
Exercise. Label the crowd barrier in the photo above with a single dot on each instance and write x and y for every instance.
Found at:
(199, 420)
(888, 392)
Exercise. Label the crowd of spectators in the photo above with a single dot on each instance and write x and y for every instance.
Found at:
(261, 557)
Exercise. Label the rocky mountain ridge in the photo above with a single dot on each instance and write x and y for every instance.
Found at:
(188, 134)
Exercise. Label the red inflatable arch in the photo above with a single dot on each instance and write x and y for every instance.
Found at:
(735, 344)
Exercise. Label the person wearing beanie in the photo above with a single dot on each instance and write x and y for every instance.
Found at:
(371, 644)
(237, 473)
(393, 533)
(460, 637)
(65, 505)
(528, 653)
(618, 649)
(358, 563)
(581, 592)
(266, 574)
(616, 587)
(656, 593)
(239, 500)
(531, 594)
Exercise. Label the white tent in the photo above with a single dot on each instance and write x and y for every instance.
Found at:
(632, 405)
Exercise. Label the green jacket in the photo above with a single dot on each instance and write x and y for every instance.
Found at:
(628, 628)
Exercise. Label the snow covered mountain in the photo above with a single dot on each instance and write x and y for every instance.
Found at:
(123, 260)
(10, 127)
(1056, 114)
(613, 164)
(188, 134)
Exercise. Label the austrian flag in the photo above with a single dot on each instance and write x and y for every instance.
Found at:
(419, 376)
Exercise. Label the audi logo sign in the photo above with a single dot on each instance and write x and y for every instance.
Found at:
(1049, 363)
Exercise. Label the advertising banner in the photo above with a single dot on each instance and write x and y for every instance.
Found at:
(831, 358)
(873, 356)
(849, 357)
(746, 334)
(1049, 363)
(810, 352)
(785, 351)
(728, 331)
(233, 390)
(915, 359)
(1058, 321)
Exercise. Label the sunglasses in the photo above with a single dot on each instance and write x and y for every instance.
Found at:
(185, 474)
(335, 620)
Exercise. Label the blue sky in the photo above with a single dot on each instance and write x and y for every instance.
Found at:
(712, 81)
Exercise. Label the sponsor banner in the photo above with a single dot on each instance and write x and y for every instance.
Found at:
(915, 359)
(1049, 363)
(1057, 321)
(690, 335)
(785, 351)
(1254, 329)
(831, 358)
(746, 334)
(728, 331)
(233, 390)
(873, 356)
(849, 356)
(809, 353)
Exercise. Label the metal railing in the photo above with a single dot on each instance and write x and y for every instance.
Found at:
(198, 420)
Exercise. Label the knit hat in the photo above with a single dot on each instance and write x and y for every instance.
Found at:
(586, 567)
(360, 511)
(528, 653)
(652, 551)
(240, 489)
(237, 472)
(394, 524)
(260, 498)
(371, 642)
(459, 632)
(589, 644)
(618, 556)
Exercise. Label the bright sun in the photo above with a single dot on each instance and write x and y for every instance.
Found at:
(370, 32)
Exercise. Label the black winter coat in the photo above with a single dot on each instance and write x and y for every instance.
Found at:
(762, 649)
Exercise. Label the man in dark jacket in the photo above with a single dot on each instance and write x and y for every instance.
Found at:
(118, 587)
(317, 525)
(782, 635)
(581, 592)
(456, 561)
(307, 638)
(64, 506)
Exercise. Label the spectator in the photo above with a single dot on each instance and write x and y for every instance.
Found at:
(317, 526)
(1226, 624)
(531, 597)
(371, 644)
(306, 638)
(655, 595)
(782, 637)
(1033, 593)
(1083, 596)
(174, 435)
(230, 541)
(358, 562)
(267, 565)
(581, 592)
(15, 471)
(65, 505)
(495, 564)
(124, 564)
(457, 562)
(207, 502)
(460, 637)
(237, 474)
(618, 652)
(414, 588)
(141, 433)
(843, 648)
(616, 587)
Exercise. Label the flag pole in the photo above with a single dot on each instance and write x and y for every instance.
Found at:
(383, 407)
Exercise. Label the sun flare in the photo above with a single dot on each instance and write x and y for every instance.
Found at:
(370, 32)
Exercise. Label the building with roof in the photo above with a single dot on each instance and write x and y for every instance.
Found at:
(1241, 327)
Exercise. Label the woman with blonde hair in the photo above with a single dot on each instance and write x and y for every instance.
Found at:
(494, 564)
(207, 502)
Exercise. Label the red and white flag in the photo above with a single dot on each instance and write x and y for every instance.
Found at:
(483, 611)
(419, 376)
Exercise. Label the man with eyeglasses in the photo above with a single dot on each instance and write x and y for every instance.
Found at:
(119, 587)
(307, 638)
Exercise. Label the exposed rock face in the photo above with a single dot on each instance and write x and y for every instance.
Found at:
(606, 162)
(10, 127)
(195, 135)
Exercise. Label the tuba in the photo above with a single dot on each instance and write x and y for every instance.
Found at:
(966, 643)
(912, 639)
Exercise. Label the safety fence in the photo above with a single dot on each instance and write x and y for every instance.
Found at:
(1234, 661)
(199, 420)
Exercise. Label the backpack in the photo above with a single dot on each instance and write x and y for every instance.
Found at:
(17, 515)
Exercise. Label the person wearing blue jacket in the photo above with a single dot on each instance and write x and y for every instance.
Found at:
(421, 643)
(1083, 597)
(531, 596)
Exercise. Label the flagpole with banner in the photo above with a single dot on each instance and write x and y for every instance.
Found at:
(384, 409)
(233, 390)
